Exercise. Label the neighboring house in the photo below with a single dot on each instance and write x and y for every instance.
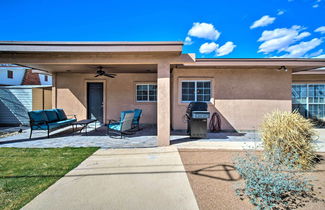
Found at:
(22, 90)
(16, 101)
(11, 74)
(159, 79)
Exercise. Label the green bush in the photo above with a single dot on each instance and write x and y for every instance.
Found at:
(270, 182)
(291, 133)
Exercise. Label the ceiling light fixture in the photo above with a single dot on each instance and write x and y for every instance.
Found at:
(282, 68)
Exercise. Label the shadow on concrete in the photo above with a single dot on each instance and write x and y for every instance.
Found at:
(225, 168)
(214, 136)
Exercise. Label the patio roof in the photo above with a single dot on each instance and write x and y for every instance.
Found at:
(127, 57)
(297, 64)
(94, 47)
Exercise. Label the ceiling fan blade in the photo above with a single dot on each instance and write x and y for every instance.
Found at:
(109, 75)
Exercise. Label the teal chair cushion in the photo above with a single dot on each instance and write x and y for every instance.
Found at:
(115, 126)
(61, 114)
(38, 116)
(137, 115)
(124, 112)
(51, 114)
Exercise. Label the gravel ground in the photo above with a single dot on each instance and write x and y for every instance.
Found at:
(213, 179)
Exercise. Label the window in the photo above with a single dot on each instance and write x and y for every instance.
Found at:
(146, 92)
(10, 74)
(309, 100)
(45, 78)
(196, 91)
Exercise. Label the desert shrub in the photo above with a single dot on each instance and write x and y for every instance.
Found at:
(268, 181)
(291, 133)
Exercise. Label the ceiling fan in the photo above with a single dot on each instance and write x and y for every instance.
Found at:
(101, 72)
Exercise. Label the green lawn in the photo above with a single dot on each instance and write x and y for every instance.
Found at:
(25, 173)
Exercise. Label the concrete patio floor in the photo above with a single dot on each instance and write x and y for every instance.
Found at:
(147, 178)
(145, 138)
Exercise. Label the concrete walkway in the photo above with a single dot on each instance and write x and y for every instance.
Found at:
(147, 178)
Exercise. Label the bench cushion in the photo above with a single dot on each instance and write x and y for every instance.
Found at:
(66, 122)
(51, 114)
(38, 116)
(54, 125)
(61, 114)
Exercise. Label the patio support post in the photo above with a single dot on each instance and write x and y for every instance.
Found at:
(163, 104)
(54, 97)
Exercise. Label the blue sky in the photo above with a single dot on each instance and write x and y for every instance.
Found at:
(216, 29)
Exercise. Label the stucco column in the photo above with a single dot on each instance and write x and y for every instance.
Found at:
(54, 98)
(163, 104)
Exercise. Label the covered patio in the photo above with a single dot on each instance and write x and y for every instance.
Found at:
(74, 64)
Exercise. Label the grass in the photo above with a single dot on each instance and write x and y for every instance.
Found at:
(25, 173)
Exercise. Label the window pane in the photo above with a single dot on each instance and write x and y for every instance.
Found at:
(142, 92)
(188, 91)
(152, 92)
(203, 91)
(301, 108)
(299, 94)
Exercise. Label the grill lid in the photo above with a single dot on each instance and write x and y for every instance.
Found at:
(196, 106)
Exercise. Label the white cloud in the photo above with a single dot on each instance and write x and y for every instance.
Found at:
(279, 39)
(317, 53)
(225, 49)
(320, 56)
(208, 47)
(280, 12)
(188, 41)
(263, 21)
(298, 50)
(204, 30)
(320, 30)
(315, 5)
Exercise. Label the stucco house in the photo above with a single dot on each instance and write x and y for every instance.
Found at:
(161, 80)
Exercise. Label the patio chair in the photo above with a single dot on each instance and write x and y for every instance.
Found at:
(136, 118)
(123, 126)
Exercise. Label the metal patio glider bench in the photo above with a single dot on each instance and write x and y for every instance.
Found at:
(49, 119)
(128, 121)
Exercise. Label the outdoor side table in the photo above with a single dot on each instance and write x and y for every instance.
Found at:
(83, 123)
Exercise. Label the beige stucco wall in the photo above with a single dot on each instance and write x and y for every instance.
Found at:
(303, 78)
(42, 98)
(241, 96)
(119, 94)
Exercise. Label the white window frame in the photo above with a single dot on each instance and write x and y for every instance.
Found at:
(136, 92)
(195, 88)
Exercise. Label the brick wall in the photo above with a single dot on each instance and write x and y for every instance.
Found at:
(31, 78)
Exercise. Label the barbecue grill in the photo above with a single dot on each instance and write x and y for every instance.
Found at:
(197, 115)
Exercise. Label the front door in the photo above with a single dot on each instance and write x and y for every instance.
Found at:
(95, 101)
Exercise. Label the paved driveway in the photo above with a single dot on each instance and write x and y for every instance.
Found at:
(148, 178)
